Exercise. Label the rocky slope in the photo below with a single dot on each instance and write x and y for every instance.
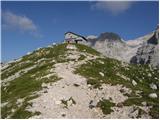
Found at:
(143, 50)
(76, 81)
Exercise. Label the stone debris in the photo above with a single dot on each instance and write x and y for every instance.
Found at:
(133, 113)
(71, 97)
(71, 47)
(12, 110)
(144, 103)
(122, 76)
(134, 83)
(17, 74)
(153, 95)
(4, 104)
(44, 85)
(92, 104)
(120, 105)
(48, 76)
(101, 62)
(153, 86)
(20, 102)
(149, 74)
(102, 74)
(80, 101)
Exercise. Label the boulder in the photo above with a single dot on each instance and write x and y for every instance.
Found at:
(153, 95)
(153, 86)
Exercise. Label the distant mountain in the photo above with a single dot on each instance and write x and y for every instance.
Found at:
(143, 50)
(148, 52)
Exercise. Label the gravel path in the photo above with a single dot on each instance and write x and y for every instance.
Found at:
(75, 86)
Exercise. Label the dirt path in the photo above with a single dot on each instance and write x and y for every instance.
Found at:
(70, 97)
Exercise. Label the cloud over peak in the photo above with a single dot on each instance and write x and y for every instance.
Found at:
(115, 7)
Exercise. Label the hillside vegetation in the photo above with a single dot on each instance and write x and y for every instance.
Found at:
(28, 78)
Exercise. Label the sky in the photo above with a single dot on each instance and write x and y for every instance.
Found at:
(27, 26)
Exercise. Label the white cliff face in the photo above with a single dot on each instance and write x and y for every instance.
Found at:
(111, 45)
(143, 50)
(139, 41)
(112, 49)
(148, 52)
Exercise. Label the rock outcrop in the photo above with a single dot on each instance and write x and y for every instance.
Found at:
(143, 50)
(148, 53)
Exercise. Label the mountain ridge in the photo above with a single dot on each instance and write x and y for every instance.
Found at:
(111, 45)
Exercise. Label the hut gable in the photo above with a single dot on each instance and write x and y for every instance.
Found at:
(71, 37)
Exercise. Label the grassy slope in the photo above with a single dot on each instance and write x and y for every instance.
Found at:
(21, 88)
(114, 70)
(25, 85)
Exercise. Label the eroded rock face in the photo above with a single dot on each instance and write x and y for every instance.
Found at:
(143, 50)
(148, 53)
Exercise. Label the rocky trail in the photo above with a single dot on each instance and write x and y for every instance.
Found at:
(76, 81)
(72, 97)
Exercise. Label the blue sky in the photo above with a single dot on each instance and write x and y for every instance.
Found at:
(29, 25)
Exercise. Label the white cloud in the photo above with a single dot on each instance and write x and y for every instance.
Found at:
(115, 7)
(22, 23)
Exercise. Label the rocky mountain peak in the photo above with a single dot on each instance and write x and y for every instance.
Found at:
(155, 38)
(144, 48)
(109, 36)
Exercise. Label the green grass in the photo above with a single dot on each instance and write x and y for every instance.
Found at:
(111, 68)
(21, 88)
(84, 48)
(105, 105)
(82, 57)
(27, 84)
(55, 52)
(15, 69)
(30, 82)
(20, 112)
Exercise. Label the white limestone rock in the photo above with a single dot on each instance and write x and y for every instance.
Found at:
(102, 74)
(153, 95)
(134, 83)
(153, 86)
(149, 74)
(144, 103)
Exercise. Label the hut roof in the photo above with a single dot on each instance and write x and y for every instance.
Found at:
(77, 35)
